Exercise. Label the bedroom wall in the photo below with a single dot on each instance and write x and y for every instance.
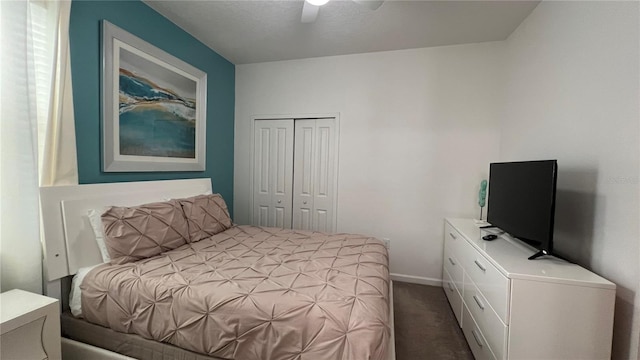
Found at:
(417, 130)
(142, 21)
(572, 94)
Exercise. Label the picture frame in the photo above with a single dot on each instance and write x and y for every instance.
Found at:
(154, 107)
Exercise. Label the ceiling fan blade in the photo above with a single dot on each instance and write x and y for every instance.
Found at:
(371, 4)
(309, 13)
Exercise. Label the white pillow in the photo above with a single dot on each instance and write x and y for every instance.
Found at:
(75, 296)
(96, 224)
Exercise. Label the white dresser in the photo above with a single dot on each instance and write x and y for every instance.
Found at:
(510, 307)
(30, 326)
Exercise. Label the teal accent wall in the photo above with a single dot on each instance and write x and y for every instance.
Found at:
(145, 23)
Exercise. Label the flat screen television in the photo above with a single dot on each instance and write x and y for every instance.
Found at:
(522, 199)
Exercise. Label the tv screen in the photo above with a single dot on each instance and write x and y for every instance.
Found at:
(522, 198)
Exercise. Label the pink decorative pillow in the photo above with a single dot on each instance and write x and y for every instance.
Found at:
(206, 215)
(134, 233)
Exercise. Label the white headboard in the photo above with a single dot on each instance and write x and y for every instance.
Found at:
(69, 243)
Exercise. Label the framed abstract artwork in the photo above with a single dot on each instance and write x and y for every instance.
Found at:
(154, 107)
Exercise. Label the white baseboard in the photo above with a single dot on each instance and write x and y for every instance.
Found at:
(416, 279)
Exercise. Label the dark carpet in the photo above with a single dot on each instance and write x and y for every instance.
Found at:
(425, 325)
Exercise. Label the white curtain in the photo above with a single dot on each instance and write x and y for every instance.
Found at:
(37, 136)
(59, 165)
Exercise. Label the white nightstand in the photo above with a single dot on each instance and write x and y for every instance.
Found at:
(29, 326)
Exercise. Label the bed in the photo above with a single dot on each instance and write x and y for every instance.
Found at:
(244, 293)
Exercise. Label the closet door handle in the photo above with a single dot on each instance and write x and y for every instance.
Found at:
(453, 236)
(480, 265)
(304, 202)
(480, 304)
(452, 262)
(279, 201)
(475, 336)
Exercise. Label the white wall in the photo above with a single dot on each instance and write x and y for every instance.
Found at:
(417, 130)
(572, 94)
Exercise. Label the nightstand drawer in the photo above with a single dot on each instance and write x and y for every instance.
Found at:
(475, 337)
(453, 295)
(24, 342)
(493, 329)
(492, 284)
(29, 326)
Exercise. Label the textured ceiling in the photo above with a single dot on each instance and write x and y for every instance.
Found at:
(258, 31)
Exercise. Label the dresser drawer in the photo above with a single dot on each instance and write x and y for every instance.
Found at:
(453, 266)
(475, 337)
(453, 239)
(492, 284)
(453, 295)
(493, 329)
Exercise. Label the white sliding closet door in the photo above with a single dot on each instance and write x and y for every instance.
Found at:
(273, 173)
(314, 175)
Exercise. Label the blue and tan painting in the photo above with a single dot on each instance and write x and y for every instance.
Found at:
(157, 110)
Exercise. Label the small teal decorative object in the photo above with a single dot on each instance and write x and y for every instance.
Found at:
(482, 196)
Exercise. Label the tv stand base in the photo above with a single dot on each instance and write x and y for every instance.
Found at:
(545, 253)
(538, 254)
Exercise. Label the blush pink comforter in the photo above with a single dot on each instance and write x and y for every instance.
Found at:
(253, 293)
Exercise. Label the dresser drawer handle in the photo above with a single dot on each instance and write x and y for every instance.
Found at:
(452, 262)
(475, 336)
(480, 265)
(450, 286)
(480, 304)
(453, 236)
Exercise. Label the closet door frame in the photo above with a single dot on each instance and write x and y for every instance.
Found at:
(335, 116)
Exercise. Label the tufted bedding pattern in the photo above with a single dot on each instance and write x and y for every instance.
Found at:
(253, 293)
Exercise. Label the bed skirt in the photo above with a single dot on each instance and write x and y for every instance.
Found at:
(131, 345)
